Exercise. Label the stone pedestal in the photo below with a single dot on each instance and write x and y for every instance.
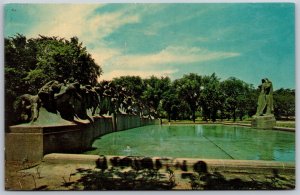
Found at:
(32, 141)
(263, 122)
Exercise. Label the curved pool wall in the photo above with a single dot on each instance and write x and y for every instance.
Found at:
(180, 164)
(200, 141)
(32, 142)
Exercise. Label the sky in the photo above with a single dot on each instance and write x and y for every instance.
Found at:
(249, 41)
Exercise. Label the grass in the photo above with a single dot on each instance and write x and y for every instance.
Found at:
(288, 124)
(281, 123)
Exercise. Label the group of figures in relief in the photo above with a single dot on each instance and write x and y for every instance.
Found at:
(75, 101)
(72, 101)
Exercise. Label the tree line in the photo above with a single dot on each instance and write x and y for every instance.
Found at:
(30, 63)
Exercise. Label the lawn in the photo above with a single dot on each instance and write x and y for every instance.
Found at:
(281, 123)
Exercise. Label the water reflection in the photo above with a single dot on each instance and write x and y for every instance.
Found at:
(200, 141)
(127, 151)
(199, 130)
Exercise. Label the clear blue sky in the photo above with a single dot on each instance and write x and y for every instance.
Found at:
(249, 41)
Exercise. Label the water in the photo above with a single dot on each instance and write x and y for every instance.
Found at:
(199, 141)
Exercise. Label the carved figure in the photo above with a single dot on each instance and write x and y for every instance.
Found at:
(72, 100)
(69, 99)
(265, 98)
(47, 94)
(27, 107)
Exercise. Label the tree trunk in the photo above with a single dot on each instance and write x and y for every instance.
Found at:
(234, 116)
(193, 116)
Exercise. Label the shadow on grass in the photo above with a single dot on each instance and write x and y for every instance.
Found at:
(125, 174)
(145, 174)
(203, 180)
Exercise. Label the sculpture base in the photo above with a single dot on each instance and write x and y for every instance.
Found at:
(263, 122)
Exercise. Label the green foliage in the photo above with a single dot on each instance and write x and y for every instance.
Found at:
(36, 78)
(30, 63)
(63, 59)
(211, 98)
(115, 178)
(154, 92)
(133, 84)
(205, 95)
(171, 103)
(219, 181)
(42, 59)
(189, 89)
(235, 92)
(284, 103)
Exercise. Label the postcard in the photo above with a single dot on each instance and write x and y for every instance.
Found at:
(149, 96)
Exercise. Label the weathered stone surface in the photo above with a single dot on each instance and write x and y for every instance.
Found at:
(263, 122)
(56, 158)
(186, 164)
(264, 117)
(24, 146)
(31, 142)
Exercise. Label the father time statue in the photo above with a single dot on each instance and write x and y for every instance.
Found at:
(264, 117)
(265, 99)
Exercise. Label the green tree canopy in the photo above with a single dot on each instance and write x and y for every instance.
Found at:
(284, 103)
(155, 89)
(189, 89)
(133, 84)
(211, 97)
(30, 63)
(236, 94)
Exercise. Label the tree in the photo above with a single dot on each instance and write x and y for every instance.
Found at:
(153, 94)
(189, 90)
(211, 97)
(133, 87)
(284, 103)
(30, 63)
(235, 93)
(251, 97)
(171, 102)
(133, 84)
(62, 59)
(19, 58)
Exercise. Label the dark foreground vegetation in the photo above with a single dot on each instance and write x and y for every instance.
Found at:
(141, 175)
(30, 63)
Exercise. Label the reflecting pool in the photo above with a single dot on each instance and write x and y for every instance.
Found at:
(199, 141)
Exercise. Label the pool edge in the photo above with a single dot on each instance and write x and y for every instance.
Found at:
(185, 164)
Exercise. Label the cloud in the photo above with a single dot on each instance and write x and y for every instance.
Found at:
(116, 64)
(174, 55)
(81, 20)
(141, 73)
(103, 54)
(61, 19)
(104, 24)
(91, 27)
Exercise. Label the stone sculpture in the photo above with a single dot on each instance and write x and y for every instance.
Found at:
(265, 99)
(73, 101)
(264, 117)
(47, 95)
(70, 100)
(27, 107)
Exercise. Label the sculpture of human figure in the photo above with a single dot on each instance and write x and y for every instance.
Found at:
(261, 103)
(47, 94)
(269, 96)
(265, 99)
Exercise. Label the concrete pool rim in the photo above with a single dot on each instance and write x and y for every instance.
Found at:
(212, 164)
(276, 128)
